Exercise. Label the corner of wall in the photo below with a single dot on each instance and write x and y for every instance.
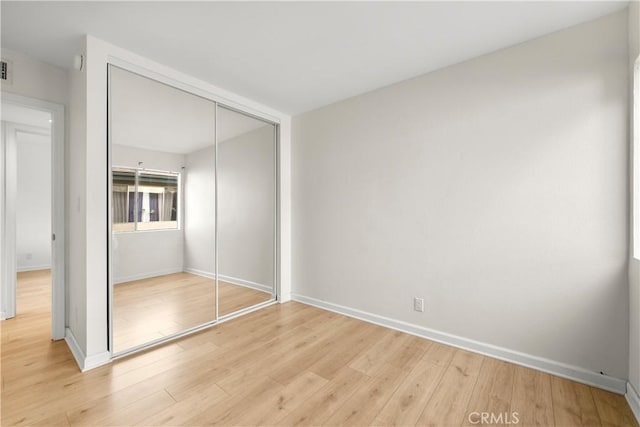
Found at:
(634, 264)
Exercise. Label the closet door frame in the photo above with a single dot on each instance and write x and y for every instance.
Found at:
(218, 101)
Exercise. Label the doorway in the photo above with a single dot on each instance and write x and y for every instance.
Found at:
(32, 208)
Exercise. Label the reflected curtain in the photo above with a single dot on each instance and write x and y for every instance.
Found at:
(132, 204)
(153, 207)
(119, 204)
(167, 207)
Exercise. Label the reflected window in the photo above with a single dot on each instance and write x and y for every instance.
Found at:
(144, 201)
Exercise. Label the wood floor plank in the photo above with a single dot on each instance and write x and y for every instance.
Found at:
(228, 410)
(532, 398)
(322, 404)
(613, 409)
(342, 353)
(367, 401)
(56, 420)
(573, 404)
(409, 400)
(287, 364)
(178, 413)
(137, 411)
(493, 392)
(448, 405)
(377, 354)
(440, 354)
(270, 410)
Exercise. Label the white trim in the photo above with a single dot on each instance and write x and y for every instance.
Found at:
(33, 268)
(147, 275)
(285, 298)
(8, 212)
(58, 310)
(73, 345)
(247, 284)
(234, 280)
(633, 398)
(635, 162)
(574, 373)
(3, 244)
(85, 363)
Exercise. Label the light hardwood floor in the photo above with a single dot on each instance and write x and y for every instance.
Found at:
(148, 309)
(287, 364)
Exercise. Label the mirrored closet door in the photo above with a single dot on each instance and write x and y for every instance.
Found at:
(246, 164)
(192, 211)
(162, 210)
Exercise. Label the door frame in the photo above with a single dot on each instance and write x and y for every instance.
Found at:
(8, 219)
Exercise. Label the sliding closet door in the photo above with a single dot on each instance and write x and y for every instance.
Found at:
(162, 208)
(246, 170)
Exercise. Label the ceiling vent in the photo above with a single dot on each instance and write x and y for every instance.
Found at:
(6, 72)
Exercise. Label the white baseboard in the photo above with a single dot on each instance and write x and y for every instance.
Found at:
(85, 363)
(574, 373)
(202, 273)
(246, 283)
(146, 275)
(234, 280)
(633, 398)
(3, 316)
(33, 268)
(285, 298)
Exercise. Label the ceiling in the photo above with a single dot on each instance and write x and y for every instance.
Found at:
(26, 116)
(292, 56)
(153, 116)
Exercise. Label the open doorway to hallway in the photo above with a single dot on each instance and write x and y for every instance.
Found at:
(32, 221)
(27, 141)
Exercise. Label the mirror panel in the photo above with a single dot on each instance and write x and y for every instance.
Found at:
(246, 170)
(162, 209)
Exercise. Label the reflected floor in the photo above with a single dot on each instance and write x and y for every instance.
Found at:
(148, 309)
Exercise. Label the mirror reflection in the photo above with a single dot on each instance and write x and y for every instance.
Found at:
(193, 211)
(163, 214)
(246, 210)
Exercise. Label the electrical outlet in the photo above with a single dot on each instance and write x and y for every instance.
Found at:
(29, 256)
(418, 304)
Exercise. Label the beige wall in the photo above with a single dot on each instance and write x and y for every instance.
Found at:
(495, 189)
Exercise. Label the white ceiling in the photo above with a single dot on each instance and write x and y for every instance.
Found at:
(26, 116)
(151, 115)
(293, 56)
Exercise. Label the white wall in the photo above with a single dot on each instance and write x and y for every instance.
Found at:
(138, 255)
(33, 202)
(496, 189)
(246, 207)
(76, 195)
(36, 79)
(634, 263)
(199, 211)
